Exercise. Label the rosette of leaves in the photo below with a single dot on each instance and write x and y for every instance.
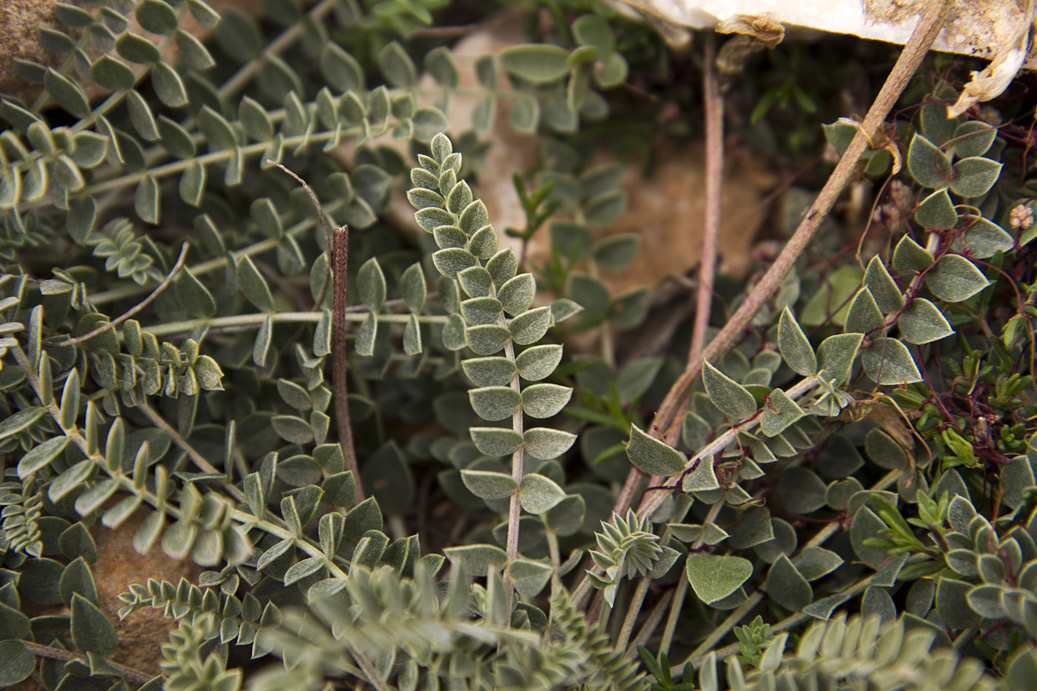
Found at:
(627, 548)
(493, 314)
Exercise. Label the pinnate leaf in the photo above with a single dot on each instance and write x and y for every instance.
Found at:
(936, 212)
(539, 493)
(836, 354)
(494, 402)
(517, 294)
(545, 443)
(922, 322)
(538, 362)
(974, 176)
(887, 361)
(496, 441)
(929, 166)
(536, 62)
(545, 400)
(92, 631)
(253, 285)
(529, 576)
(489, 371)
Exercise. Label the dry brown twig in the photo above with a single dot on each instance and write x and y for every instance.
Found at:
(338, 245)
(139, 306)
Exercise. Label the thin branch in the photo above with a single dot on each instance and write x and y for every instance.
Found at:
(287, 37)
(323, 220)
(671, 620)
(714, 188)
(633, 609)
(340, 258)
(652, 622)
(914, 51)
(47, 651)
(714, 105)
(338, 244)
(191, 452)
(140, 305)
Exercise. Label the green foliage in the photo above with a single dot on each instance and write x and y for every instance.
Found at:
(164, 349)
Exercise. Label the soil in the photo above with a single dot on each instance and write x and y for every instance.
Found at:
(21, 19)
(118, 565)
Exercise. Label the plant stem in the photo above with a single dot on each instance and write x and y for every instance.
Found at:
(714, 106)
(914, 51)
(633, 609)
(192, 453)
(556, 558)
(714, 103)
(654, 617)
(676, 605)
(340, 257)
(626, 495)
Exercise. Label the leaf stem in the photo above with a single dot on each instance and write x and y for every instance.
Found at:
(256, 320)
(517, 461)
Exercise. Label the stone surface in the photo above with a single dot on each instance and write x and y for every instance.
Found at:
(667, 208)
(19, 21)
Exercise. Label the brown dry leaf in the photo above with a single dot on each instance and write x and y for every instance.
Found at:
(888, 418)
